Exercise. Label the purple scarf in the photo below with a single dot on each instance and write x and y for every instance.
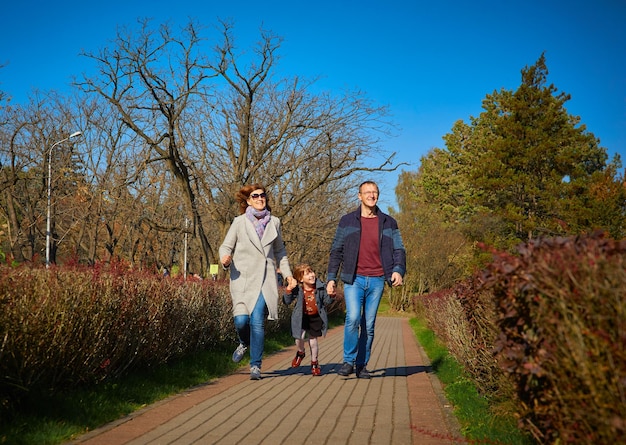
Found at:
(259, 218)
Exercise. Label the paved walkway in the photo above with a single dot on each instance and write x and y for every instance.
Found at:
(401, 404)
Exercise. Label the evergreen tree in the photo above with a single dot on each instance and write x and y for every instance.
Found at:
(525, 168)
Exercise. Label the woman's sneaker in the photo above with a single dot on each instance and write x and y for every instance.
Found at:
(255, 373)
(297, 359)
(239, 352)
(315, 368)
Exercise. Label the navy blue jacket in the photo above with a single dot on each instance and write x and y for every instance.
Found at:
(344, 251)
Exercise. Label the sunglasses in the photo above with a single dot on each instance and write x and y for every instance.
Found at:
(258, 195)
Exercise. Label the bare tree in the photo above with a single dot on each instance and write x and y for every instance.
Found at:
(216, 124)
(308, 149)
(14, 135)
(29, 135)
(149, 78)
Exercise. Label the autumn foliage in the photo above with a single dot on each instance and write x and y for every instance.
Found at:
(546, 327)
(73, 326)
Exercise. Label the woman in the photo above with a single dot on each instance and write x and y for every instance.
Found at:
(254, 250)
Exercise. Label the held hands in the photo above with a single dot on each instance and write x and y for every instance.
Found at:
(292, 283)
(331, 288)
(396, 279)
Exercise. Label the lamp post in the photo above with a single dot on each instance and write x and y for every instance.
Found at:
(48, 228)
(185, 257)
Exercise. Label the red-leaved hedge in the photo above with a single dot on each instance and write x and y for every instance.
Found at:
(61, 327)
(545, 327)
(562, 318)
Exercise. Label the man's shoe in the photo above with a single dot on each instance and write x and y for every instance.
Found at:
(297, 359)
(315, 368)
(255, 373)
(346, 369)
(362, 373)
(239, 352)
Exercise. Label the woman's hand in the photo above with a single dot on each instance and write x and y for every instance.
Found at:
(291, 283)
(226, 259)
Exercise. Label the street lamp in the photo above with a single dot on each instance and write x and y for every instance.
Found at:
(48, 228)
(185, 257)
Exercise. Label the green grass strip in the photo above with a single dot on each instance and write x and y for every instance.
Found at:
(478, 421)
(50, 420)
(44, 419)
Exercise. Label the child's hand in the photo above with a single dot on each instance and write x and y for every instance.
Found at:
(331, 288)
(291, 284)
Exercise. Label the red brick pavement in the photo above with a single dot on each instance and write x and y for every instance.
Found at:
(402, 404)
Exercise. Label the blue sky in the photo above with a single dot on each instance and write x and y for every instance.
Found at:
(431, 62)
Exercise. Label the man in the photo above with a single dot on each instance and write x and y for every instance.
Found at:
(369, 249)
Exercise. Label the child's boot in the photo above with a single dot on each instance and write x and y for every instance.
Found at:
(297, 359)
(315, 368)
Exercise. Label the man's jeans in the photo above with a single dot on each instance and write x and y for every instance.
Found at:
(251, 330)
(362, 299)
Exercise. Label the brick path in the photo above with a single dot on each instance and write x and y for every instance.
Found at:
(401, 404)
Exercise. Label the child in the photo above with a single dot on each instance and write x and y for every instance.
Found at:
(309, 317)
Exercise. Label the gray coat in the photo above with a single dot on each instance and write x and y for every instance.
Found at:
(254, 265)
(321, 298)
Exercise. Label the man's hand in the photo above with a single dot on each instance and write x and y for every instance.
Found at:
(331, 288)
(396, 279)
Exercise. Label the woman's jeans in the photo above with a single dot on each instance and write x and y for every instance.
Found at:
(362, 299)
(251, 330)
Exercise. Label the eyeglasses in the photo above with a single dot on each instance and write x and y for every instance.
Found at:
(258, 195)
